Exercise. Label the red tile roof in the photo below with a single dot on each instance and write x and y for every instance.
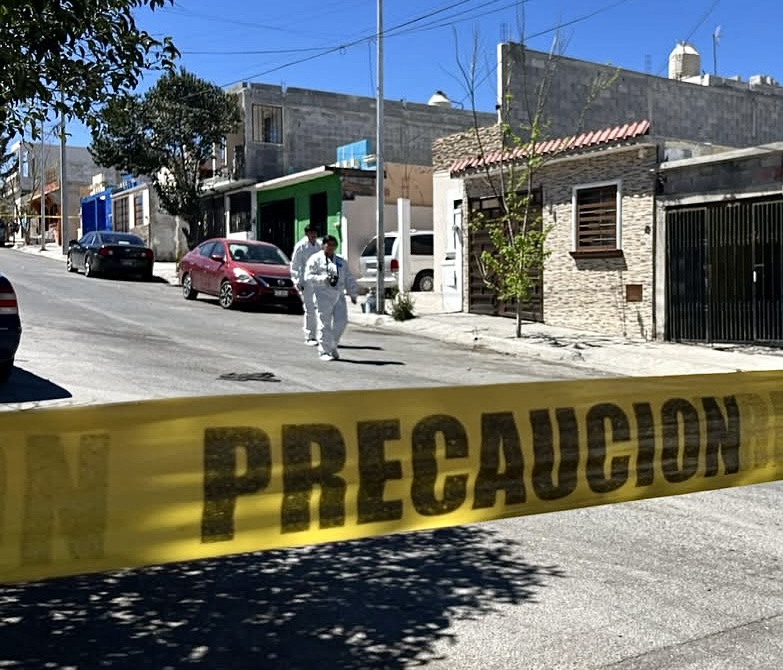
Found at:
(593, 138)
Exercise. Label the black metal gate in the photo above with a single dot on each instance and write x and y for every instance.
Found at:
(725, 272)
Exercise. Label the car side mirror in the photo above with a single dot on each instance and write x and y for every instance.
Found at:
(218, 258)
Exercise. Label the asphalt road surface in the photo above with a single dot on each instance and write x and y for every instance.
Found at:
(693, 582)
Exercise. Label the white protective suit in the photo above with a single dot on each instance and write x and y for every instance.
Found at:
(330, 307)
(302, 253)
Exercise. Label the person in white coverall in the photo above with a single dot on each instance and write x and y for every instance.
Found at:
(330, 278)
(303, 250)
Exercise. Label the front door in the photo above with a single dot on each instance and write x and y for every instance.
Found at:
(725, 272)
(276, 224)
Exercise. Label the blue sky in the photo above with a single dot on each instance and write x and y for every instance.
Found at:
(329, 44)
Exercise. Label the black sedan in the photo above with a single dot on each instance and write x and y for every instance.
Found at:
(108, 253)
(10, 327)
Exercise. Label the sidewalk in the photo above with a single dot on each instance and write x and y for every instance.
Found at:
(582, 349)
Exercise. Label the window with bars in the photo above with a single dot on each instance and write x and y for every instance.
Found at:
(138, 210)
(267, 124)
(120, 219)
(597, 216)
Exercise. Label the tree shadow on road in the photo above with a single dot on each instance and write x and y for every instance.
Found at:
(24, 386)
(386, 602)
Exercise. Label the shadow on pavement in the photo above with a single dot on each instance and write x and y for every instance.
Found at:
(24, 386)
(379, 603)
(355, 362)
(360, 346)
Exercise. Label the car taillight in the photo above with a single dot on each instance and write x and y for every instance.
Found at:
(394, 265)
(103, 251)
(148, 253)
(8, 304)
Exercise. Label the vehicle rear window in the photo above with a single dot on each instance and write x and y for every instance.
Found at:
(372, 246)
(121, 238)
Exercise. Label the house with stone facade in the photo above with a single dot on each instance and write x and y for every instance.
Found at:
(595, 192)
(597, 195)
(691, 237)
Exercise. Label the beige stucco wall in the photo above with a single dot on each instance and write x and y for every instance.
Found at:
(413, 182)
(590, 294)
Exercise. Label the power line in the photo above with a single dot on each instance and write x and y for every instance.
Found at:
(700, 23)
(559, 26)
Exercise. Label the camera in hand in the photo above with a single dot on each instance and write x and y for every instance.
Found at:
(332, 277)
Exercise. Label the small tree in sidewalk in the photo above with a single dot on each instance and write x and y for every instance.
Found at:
(513, 265)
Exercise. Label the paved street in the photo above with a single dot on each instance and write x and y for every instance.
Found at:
(693, 582)
(101, 341)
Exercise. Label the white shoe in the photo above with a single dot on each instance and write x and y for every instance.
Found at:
(326, 357)
(311, 343)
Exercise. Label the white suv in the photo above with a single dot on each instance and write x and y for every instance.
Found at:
(421, 261)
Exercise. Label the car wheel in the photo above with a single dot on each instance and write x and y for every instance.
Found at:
(188, 292)
(88, 271)
(6, 367)
(226, 295)
(424, 282)
(69, 264)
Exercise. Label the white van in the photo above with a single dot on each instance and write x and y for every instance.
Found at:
(421, 257)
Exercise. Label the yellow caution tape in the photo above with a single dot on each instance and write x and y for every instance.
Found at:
(86, 489)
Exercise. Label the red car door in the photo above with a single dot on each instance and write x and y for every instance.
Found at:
(214, 270)
(195, 265)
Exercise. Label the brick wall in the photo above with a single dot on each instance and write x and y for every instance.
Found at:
(590, 294)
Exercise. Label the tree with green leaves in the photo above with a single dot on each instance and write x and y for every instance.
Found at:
(514, 263)
(71, 57)
(166, 135)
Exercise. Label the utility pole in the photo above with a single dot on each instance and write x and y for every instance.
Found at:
(42, 177)
(65, 230)
(380, 281)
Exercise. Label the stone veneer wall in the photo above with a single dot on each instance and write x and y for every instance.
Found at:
(590, 294)
(461, 145)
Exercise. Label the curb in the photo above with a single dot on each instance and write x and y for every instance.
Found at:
(167, 276)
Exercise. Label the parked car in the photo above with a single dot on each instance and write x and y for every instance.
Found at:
(239, 272)
(110, 253)
(422, 261)
(10, 327)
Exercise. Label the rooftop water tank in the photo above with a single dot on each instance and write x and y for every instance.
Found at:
(439, 99)
(684, 61)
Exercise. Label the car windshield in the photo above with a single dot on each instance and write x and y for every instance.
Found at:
(257, 253)
(120, 238)
(372, 247)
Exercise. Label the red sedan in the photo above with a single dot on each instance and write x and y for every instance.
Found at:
(239, 272)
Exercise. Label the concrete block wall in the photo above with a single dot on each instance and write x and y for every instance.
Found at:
(736, 173)
(590, 294)
(315, 123)
(734, 115)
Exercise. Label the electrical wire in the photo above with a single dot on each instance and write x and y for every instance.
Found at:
(700, 23)
(585, 17)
